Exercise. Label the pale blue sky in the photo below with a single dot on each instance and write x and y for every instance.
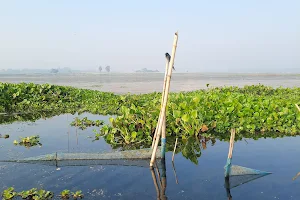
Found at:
(216, 36)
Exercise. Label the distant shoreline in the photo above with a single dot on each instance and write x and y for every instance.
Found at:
(174, 72)
(137, 83)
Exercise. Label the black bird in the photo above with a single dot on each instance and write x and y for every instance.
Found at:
(169, 58)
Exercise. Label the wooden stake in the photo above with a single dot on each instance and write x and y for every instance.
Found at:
(297, 107)
(166, 93)
(231, 145)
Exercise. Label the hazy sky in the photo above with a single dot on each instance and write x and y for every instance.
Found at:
(215, 36)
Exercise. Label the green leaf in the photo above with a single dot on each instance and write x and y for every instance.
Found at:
(185, 118)
(194, 114)
(176, 114)
(133, 135)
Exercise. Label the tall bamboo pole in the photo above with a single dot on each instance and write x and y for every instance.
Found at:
(162, 100)
(160, 122)
(163, 131)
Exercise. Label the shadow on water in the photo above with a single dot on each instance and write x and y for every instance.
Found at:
(199, 162)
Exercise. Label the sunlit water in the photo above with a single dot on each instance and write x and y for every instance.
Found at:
(202, 181)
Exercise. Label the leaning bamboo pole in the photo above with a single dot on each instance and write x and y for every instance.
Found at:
(166, 93)
(162, 100)
(297, 107)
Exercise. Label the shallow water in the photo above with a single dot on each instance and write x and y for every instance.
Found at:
(202, 181)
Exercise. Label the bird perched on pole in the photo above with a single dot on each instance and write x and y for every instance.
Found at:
(169, 58)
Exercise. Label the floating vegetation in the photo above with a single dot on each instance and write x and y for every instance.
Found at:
(77, 195)
(35, 194)
(254, 111)
(6, 136)
(9, 193)
(66, 194)
(28, 141)
(85, 122)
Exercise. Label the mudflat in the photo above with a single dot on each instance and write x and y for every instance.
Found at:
(137, 83)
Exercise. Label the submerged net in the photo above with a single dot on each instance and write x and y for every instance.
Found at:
(241, 175)
(235, 181)
(140, 157)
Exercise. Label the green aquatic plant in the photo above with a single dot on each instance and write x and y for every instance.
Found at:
(28, 141)
(85, 122)
(254, 110)
(65, 194)
(35, 194)
(9, 193)
(77, 195)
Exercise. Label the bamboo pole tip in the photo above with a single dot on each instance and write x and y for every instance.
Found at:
(176, 33)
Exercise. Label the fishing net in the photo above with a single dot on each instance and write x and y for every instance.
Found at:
(235, 181)
(237, 175)
(239, 170)
(140, 157)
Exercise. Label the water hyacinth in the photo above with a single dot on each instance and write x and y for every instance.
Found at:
(255, 110)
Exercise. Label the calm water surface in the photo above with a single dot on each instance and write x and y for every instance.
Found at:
(202, 181)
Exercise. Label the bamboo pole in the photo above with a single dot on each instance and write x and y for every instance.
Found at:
(170, 67)
(297, 107)
(162, 100)
(231, 145)
(163, 138)
(163, 132)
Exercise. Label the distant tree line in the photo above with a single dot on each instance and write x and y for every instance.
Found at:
(107, 68)
(54, 71)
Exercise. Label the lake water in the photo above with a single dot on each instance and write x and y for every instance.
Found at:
(150, 82)
(204, 180)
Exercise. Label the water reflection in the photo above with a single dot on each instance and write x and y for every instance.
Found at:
(191, 148)
(235, 181)
(297, 175)
(159, 177)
